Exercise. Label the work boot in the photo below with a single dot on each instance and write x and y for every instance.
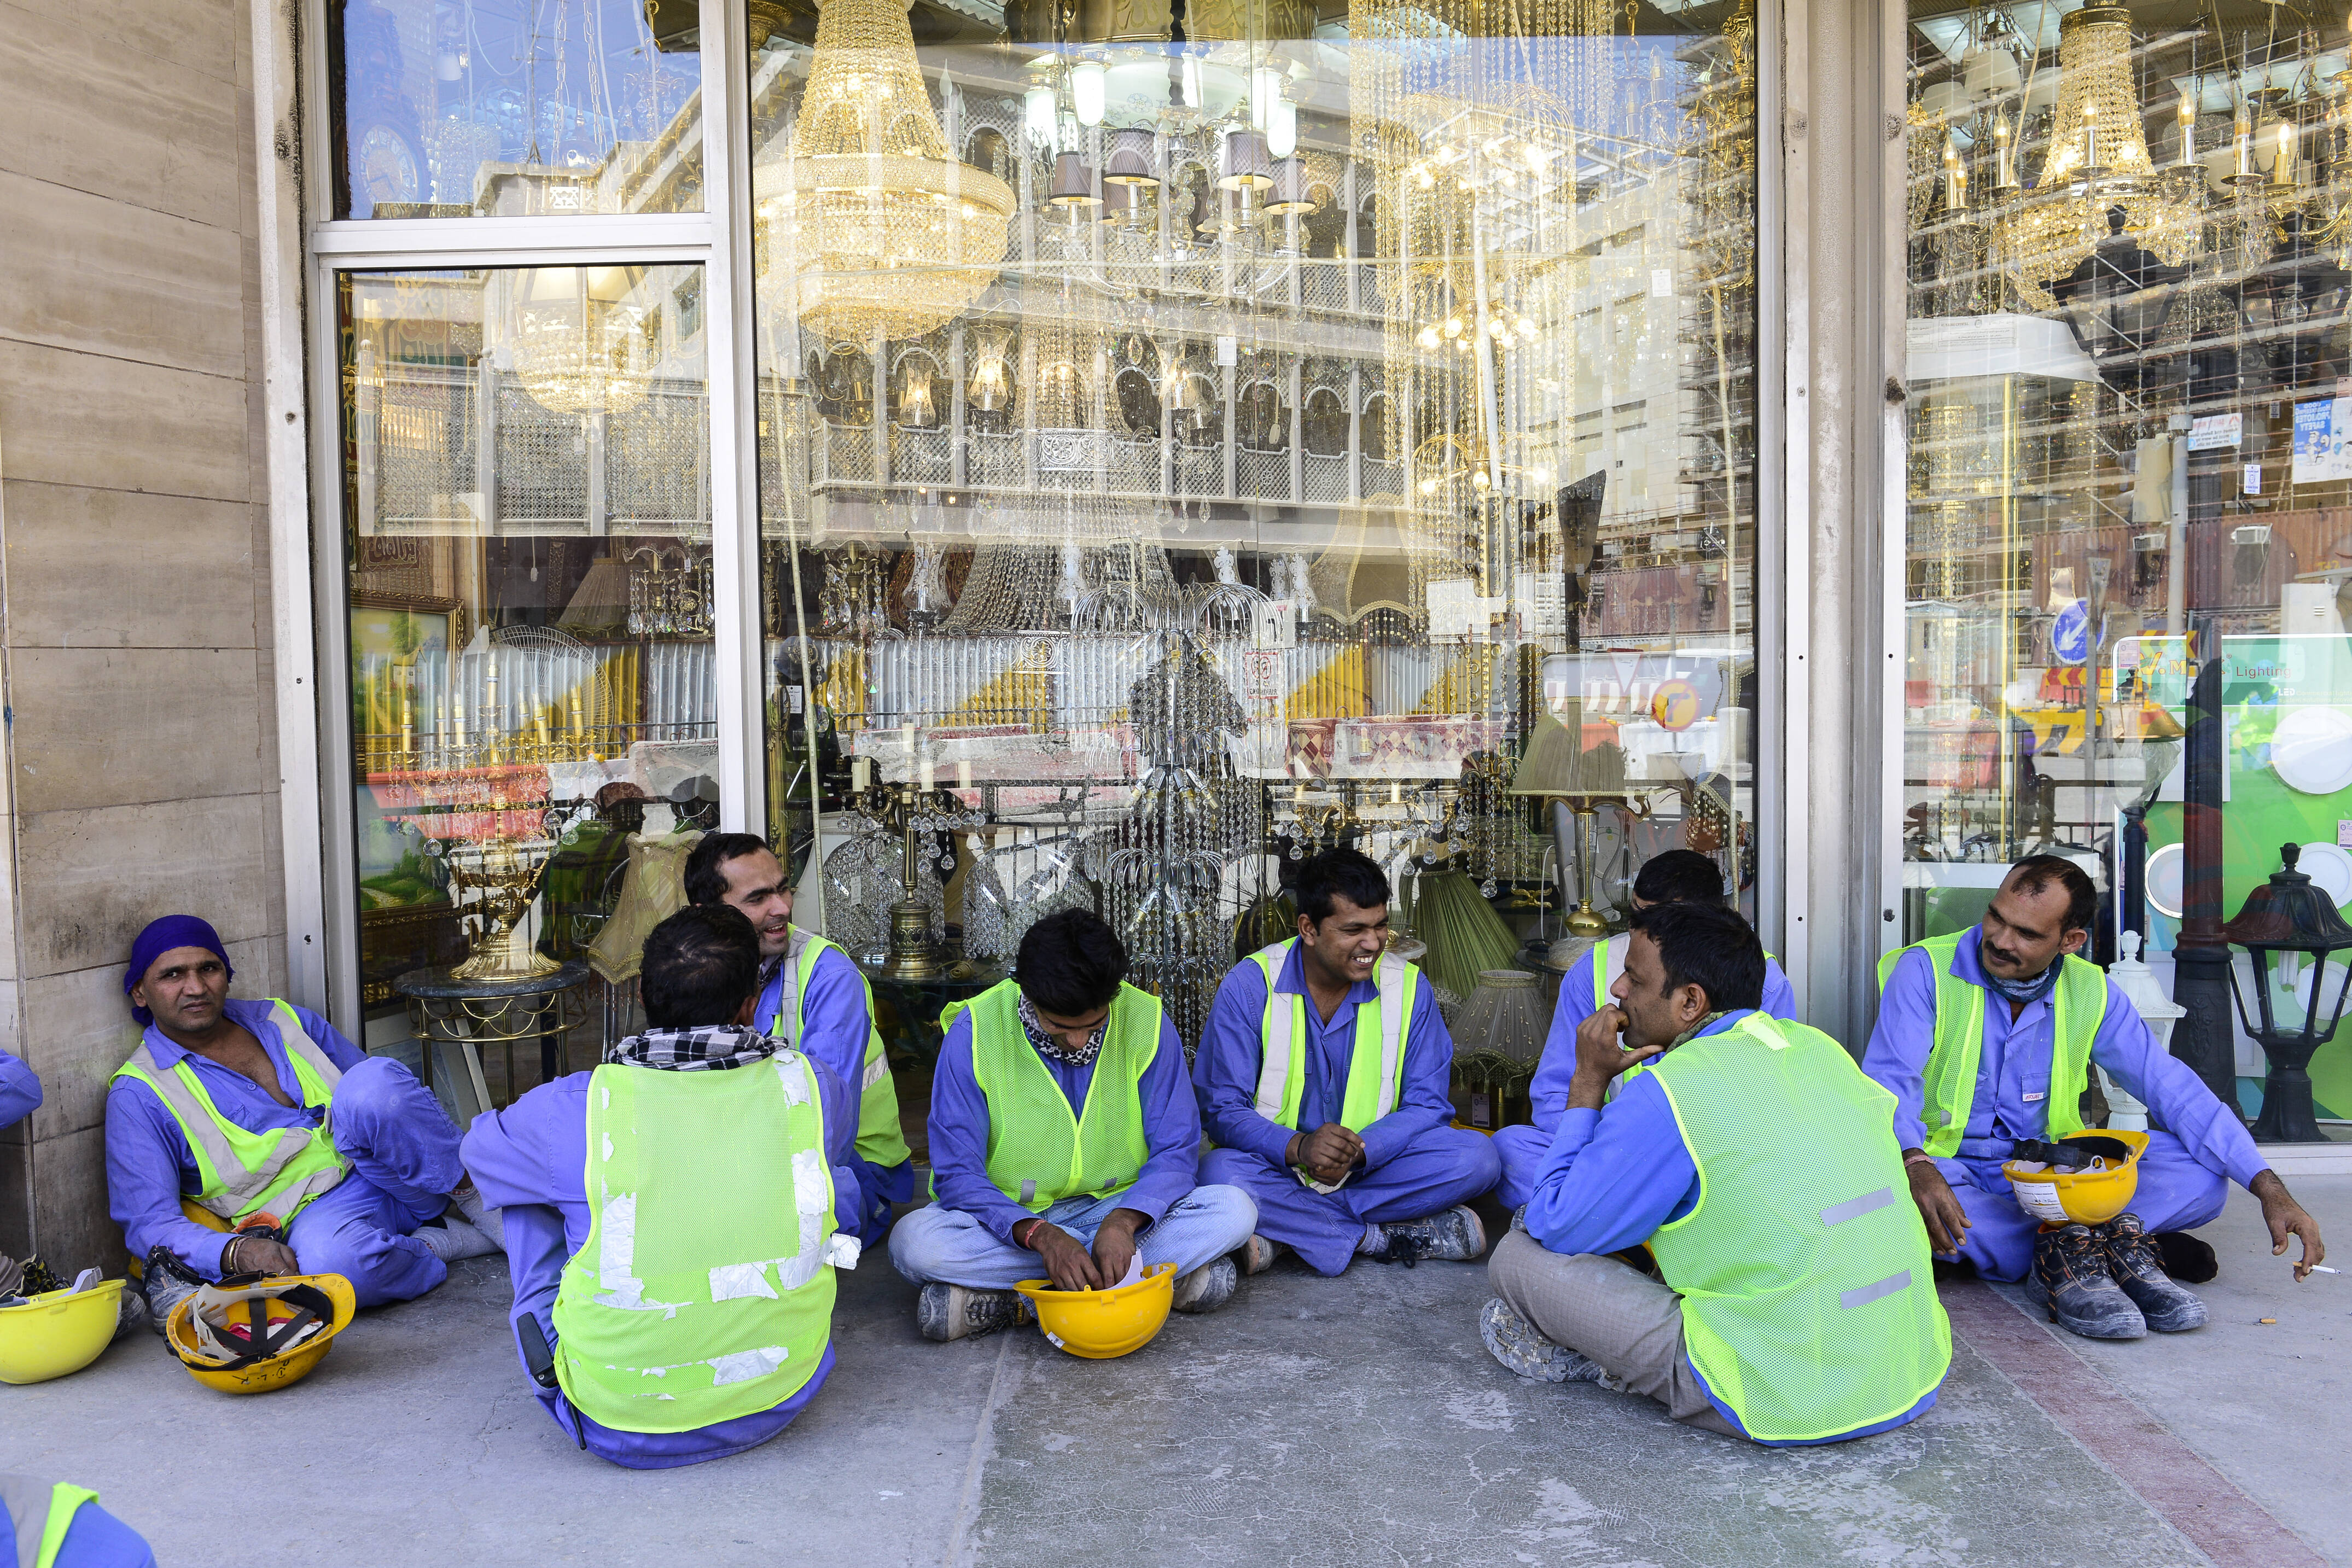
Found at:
(1258, 1254)
(1207, 1287)
(2186, 1259)
(12, 1277)
(450, 1238)
(2137, 1266)
(2070, 1265)
(1456, 1236)
(1522, 1349)
(958, 1311)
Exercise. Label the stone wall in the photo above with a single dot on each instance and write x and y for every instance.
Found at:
(140, 769)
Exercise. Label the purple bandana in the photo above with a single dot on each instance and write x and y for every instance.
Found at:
(160, 937)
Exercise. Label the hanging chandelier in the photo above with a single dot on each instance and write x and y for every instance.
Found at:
(879, 226)
(2097, 164)
(577, 342)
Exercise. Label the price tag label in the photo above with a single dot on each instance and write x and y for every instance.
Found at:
(1262, 678)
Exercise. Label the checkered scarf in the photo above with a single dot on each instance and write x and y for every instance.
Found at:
(1050, 1046)
(713, 1047)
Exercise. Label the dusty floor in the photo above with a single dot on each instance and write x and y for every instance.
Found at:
(1312, 1422)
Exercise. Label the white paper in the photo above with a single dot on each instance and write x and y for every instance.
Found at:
(1453, 601)
(1134, 1273)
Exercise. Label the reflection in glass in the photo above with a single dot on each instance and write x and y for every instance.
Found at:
(466, 108)
(1246, 378)
(2127, 460)
(527, 478)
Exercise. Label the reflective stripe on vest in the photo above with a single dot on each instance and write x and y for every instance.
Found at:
(246, 1173)
(1039, 1152)
(1807, 1300)
(1608, 963)
(705, 1291)
(881, 1140)
(1375, 1068)
(1948, 1087)
(39, 1514)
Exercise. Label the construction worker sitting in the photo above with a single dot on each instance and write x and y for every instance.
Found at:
(1674, 877)
(1987, 1036)
(1065, 1145)
(670, 1217)
(261, 1116)
(812, 996)
(60, 1525)
(1793, 1301)
(1322, 1074)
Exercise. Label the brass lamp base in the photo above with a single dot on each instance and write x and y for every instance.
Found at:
(911, 954)
(1585, 921)
(501, 954)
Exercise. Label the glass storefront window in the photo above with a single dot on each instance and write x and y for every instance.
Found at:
(2127, 469)
(482, 107)
(1192, 436)
(527, 480)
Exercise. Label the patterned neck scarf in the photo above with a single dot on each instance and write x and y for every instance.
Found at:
(1697, 1028)
(2027, 990)
(714, 1048)
(1050, 1045)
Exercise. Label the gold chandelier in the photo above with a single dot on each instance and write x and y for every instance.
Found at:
(2097, 162)
(880, 227)
(577, 343)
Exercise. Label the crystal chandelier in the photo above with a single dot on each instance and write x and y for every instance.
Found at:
(2097, 164)
(577, 342)
(879, 226)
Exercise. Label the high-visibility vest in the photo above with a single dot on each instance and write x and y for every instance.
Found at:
(1375, 1068)
(246, 1173)
(881, 1141)
(705, 1290)
(1039, 1151)
(1808, 1301)
(40, 1514)
(1949, 1088)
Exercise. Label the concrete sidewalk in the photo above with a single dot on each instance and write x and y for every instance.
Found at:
(1313, 1422)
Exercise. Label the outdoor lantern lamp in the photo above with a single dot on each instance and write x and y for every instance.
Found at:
(2291, 920)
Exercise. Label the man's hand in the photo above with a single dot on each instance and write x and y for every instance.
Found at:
(1067, 1262)
(1328, 1154)
(258, 1255)
(1939, 1206)
(1600, 1059)
(1115, 1245)
(2287, 1218)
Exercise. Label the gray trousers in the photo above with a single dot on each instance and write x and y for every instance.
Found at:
(1628, 1322)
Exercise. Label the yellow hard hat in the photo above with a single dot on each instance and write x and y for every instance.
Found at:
(57, 1331)
(2088, 1196)
(1101, 1324)
(260, 1335)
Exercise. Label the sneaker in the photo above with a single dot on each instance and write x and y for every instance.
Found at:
(167, 1284)
(1258, 1254)
(1207, 1287)
(957, 1311)
(2070, 1265)
(1456, 1236)
(467, 1201)
(450, 1238)
(1524, 1351)
(2186, 1259)
(2133, 1259)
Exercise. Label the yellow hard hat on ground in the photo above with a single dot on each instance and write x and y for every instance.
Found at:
(260, 1335)
(57, 1331)
(2100, 1189)
(1101, 1324)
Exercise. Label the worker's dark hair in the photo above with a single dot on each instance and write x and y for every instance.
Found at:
(1070, 963)
(2035, 872)
(1679, 876)
(699, 964)
(1349, 874)
(706, 865)
(1709, 946)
